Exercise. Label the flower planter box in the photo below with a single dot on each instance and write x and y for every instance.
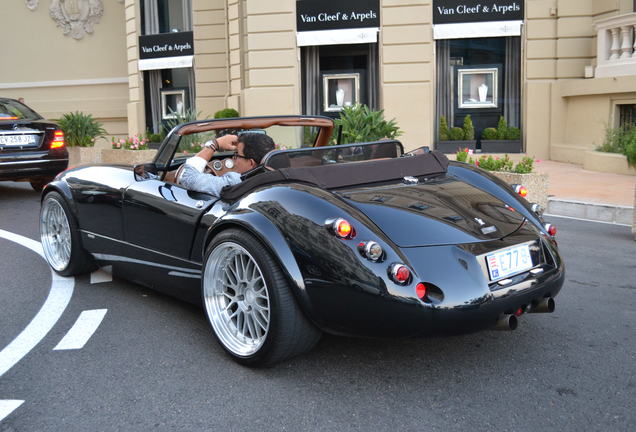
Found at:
(83, 156)
(453, 146)
(537, 185)
(607, 162)
(501, 146)
(127, 157)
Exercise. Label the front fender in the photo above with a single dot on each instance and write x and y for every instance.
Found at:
(61, 187)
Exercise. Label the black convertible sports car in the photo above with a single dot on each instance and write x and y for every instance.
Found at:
(358, 239)
(31, 149)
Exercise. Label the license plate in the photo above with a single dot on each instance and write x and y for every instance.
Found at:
(509, 261)
(17, 140)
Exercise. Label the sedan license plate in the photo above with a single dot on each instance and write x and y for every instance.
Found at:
(17, 140)
(509, 261)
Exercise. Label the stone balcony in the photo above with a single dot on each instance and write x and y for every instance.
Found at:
(616, 47)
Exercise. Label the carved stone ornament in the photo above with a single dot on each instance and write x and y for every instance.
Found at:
(76, 17)
(32, 4)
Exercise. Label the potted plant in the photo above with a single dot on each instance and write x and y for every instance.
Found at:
(128, 151)
(80, 133)
(361, 124)
(503, 139)
(521, 173)
(450, 140)
(617, 154)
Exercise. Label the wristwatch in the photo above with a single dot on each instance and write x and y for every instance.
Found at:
(212, 144)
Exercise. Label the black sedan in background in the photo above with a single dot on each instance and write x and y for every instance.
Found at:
(31, 148)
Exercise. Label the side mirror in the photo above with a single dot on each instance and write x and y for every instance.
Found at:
(145, 171)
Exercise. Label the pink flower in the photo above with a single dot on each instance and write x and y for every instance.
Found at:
(538, 160)
(477, 163)
(118, 145)
(122, 141)
(470, 151)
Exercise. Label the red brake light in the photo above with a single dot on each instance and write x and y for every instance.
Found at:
(343, 229)
(420, 290)
(551, 229)
(400, 273)
(58, 140)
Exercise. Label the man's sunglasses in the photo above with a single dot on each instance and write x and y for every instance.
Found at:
(235, 156)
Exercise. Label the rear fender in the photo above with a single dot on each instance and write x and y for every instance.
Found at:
(271, 237)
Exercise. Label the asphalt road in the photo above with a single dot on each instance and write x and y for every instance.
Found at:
(152, 363)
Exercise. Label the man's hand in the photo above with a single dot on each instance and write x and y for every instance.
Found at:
(227, 142)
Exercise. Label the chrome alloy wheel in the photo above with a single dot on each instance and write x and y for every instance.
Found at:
(236, 299)
(55, 234)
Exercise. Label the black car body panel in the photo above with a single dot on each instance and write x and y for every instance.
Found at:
(155, 233)
(30, 160)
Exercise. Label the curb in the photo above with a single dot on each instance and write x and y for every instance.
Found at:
(608, 213)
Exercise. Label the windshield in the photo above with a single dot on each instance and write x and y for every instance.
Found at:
(285, 137)
(14, 110)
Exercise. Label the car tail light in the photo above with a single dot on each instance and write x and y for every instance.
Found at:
(371, 250)
(520, 190)
(343, 229)
(420, 290)
(400, 274)
(58, 140)
(551, 229)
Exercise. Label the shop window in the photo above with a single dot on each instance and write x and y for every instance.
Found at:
(336, 76)
(480, 77)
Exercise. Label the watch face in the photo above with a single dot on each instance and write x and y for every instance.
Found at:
(229, 163)
(217, 165)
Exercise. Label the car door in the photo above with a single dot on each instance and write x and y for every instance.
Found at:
(162, 217)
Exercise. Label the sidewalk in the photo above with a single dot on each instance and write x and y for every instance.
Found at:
(575, 192)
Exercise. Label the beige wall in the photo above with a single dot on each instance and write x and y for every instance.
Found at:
(56, 74)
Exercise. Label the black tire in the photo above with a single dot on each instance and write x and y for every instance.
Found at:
(38, 183)
(289, 332)
(79, 261)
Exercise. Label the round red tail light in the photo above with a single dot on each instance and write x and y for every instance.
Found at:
(343, 228)
(420, 290)
(551, 229)
(400, 273)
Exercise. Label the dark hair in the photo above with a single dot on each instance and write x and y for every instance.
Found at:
(256, 146)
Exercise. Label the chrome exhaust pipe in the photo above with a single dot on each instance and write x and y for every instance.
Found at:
(507, 322)
(545, 305)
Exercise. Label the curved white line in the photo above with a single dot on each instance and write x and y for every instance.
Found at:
(51, 311)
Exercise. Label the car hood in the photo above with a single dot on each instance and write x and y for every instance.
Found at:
(440, 211)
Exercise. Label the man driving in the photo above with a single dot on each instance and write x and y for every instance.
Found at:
(249, 151)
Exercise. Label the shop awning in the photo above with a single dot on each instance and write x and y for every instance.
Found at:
(337, 37)
(166, 63)
(477, 29)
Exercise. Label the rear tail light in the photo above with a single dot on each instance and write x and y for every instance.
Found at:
(551, 229)
(420, 290)
(520, 190)
(400, 274)
(58, 140)
(343, 229)
(371, 250)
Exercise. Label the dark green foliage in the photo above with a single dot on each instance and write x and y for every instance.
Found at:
(621, 140)
(489, 134)
(502, 128)
(361, 124)
(443, 129)
(525, 166)
(469, 129)
(80, 130)
(514, 133)
(456, 134)
(226, 113)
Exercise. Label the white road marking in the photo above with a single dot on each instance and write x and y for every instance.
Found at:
(102, 275)
(8, 406)
(51, 311)
(82, 330)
